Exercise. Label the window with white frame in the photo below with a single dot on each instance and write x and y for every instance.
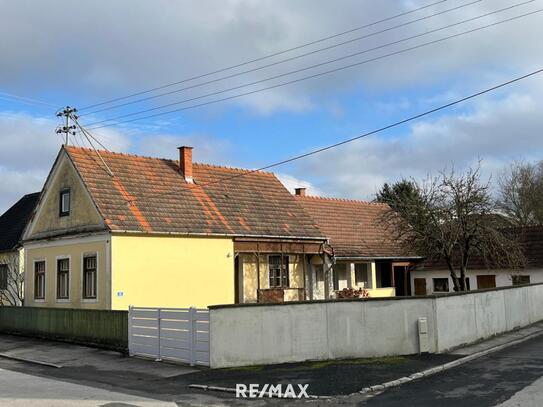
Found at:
(63, 279)
(65, 202)
(39, 280)
(89, 277)
(3, 276)
(278, 273)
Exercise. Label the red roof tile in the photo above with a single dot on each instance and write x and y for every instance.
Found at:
(353, 227)
(149, 195)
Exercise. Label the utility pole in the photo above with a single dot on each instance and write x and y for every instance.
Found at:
(68, 128)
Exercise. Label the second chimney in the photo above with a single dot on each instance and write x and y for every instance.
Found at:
(300, 191)
(185, 163)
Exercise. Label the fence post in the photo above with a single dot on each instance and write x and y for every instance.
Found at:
(192, 333)
(159, 359)
(130, 353)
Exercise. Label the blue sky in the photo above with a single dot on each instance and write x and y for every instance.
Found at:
(81, 54)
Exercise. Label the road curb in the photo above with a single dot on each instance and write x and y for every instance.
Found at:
(36, 362)
(446, 366)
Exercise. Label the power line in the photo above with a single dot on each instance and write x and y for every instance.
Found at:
(267, 56)
(306, 77)
(350, 140)
(222, 78)
(25, 99)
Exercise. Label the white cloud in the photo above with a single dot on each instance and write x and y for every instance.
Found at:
(29, 145)
(291, 183)
(162, 41)
(497, 131)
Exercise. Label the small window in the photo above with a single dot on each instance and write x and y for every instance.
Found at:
(89, 277)
(3, 276)
(39, 280)
(361, 271)
(441, 285)
(63, 279)
(519, 280)
(65, 202)
(278, 273)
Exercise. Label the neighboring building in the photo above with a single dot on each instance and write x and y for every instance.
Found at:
(363, 253)
(434, 278)
(12, 224)
(113, 230)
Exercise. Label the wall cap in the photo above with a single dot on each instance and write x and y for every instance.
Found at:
(343, 300)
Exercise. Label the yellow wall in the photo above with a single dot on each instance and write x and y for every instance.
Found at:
(156, 271)
(74, 251)
(248, 262)
(83, 211)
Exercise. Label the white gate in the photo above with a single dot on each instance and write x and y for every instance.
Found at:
(175, 334)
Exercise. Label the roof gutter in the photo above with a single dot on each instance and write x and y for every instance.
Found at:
(379, 258)
(230, 235)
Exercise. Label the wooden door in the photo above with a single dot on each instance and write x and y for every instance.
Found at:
(486, 282)
(420, 286)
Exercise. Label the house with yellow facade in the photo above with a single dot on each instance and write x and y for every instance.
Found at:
(12, 224)
(365, 255)
(112, 230)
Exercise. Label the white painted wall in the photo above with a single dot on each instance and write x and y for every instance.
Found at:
(265, 334)
(503, 277)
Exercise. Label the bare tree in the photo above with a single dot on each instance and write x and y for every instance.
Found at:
(453, 218)
(12, 280)
(521, 193)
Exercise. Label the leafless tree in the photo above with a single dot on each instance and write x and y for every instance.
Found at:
(14, 280)
(452, 218)
(521, 193)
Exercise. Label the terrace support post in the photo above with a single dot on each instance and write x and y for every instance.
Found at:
(351, 275)
(373, 275)
(257, 273)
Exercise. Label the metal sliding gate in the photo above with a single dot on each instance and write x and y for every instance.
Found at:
(174, 334)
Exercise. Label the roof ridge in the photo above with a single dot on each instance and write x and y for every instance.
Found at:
(347, 200)
(224, 167)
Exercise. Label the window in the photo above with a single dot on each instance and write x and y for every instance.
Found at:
(63, 279)
(39, 280)
(3, 276)
(89, 277)
(361, 274)
(441, 285)
(519, 280)
(278, 271)
(65, 201)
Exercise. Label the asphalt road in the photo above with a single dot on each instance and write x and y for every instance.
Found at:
(20, 389)
(512, 377)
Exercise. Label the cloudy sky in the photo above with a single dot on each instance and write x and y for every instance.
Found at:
(87, 52)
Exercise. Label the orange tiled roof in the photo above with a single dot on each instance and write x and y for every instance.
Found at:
(353, 227)
(150, 195)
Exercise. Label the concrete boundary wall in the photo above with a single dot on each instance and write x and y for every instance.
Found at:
(252, 334)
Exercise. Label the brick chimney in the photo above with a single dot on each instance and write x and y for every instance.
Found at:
(185, 163)
(300, 191)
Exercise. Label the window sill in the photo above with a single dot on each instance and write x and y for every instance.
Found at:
(41, 300)
(63, 300)
(89, 300)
